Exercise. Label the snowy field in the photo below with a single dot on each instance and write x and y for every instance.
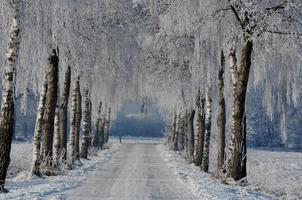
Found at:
(23, 188)
(271, 175)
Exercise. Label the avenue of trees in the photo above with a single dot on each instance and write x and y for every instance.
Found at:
(222, 72)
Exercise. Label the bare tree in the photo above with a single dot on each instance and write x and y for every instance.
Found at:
(7, 107)
(78, 123)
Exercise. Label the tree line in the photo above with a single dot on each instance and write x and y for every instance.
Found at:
(52, 150)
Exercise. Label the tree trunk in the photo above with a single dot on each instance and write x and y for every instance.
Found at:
(102, 131)
(36, 160)
(63, 114)
(73, 120)
(181, 133)
(207, 135)
(199, 129)
(56, 139)
(237, 142)
(221, 117)
(85, 138)
(107, 125)
(50, 107)
(191, 135)
(7, 108)
(96, 138)
(175, 144)
(79, 119)
(173, 130)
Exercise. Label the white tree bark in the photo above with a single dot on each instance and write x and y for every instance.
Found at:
(86, 114)
(36, 160)
(56, 139)
(7, 108)
(207, 135)
(73, 120)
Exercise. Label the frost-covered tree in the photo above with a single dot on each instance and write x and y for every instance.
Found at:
(107, 125)
(36, 160)
(97, 135)
(7, 104)
(63, 113)
(74, 119)
(86, 131)
(221, 117)
(50, 107)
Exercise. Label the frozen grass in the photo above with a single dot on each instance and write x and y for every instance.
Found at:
(276, 172)
(21, 155)
(271, 175)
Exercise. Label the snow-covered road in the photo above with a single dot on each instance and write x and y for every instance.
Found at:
(137, 171)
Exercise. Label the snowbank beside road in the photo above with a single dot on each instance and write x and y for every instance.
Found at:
(203, 185)
(21, 187)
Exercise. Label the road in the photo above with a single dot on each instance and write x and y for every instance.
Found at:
(136, 172)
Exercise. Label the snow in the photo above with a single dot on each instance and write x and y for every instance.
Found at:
(271, 174)
(56, 187)
(274, 174)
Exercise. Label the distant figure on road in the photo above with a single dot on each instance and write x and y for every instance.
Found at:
(120, 139)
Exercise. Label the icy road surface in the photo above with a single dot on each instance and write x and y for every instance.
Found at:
(137, 171)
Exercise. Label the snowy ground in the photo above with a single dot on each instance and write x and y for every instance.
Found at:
(276, 172)
(271, 175)
(21, 187)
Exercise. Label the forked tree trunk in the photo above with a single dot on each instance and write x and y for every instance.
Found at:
(73, 120)
(107, 125)
(96, 138)
(221, 117)
(63, 114)
(207, 135)
(79, 119)
(36, 160)
(191, 135)
(237, 143)
(7, 107)
(50, 107)
(85, 137)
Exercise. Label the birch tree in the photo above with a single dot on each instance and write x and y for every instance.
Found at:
(50, 106)
(73, 120)
(63, 114)
(221, 117)
(7, 107)
(199, 128)
(96, 138)
(36, 160)
(191, 135)
(107, 125)
(86, 131)
(207, 135)
(78, 123)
